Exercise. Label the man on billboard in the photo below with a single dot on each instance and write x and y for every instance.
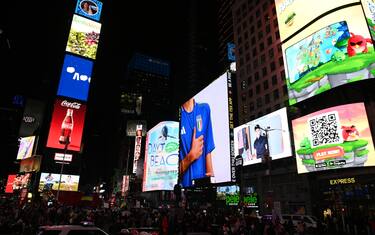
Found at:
(260, 144)
(197, 142)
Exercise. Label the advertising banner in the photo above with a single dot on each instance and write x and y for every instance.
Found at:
(30, 164)
(49, 181)
(89, 8)
(60, 157)
(75, 78)
(293, 15)
(26, 147)
(125, 185)
(161, 157)
(17, 182)
(231, 52)
(229, 194)
(334, 138)
(205, 136)
(267, 134)
(32, 117)
(67, 125)
(137, 148)
(369, 8)
(83, 37)
(335, 50)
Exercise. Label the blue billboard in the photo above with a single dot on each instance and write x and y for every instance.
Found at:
(75, 78)
(231, 52)
(89, 8)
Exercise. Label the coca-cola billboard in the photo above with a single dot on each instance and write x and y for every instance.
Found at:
(67, 125)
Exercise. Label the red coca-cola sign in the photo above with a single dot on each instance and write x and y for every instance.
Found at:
(67, 125)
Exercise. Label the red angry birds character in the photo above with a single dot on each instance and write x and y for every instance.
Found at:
(357, 44)
(349, 133)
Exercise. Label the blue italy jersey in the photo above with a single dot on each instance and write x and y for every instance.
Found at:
(200, 118)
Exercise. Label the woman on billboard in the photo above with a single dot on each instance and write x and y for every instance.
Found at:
(197, 142)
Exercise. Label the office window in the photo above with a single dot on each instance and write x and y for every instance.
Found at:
(255, 63)
(265, 85)
(275, 23)
(246, 35)
(276, 95)
(239, 40)
(255, 52)
(252, 29)
(270, 53)
(267, 99)
(260, 34)
(264, 71)
(251, 93)
(256, 76)
(241, 61)
(239, 30)
(259, 102)
(240, 51)
(243, 96)
(261, 46)
(259, 23)
(247, 45)
(273, 66)
(248, 68)
(279, 48)
(257, 89)
(269, 40)
(263, 59)
(257, 13)
(247, 57)
(268, 28)
(251, 106)
(253, 41)
(244, 25)
(249, 79)
(274, 80)
(244, 108)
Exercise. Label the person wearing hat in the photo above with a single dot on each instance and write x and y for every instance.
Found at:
(260, 143)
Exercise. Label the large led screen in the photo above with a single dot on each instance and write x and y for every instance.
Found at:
(204, 136)
(293, 15)
(61, 130)
(229, 194)
(335, 50)
(26, 147)
(161, 157)
(369, 8)
(256, 138)
(49, 181)
(333, 138)
(83, 37)
(17, 182)
(75, 78)
(89, 8)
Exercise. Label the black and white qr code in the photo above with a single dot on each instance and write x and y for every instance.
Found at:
(325, 129)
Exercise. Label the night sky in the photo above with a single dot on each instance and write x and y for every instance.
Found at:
(37, 33)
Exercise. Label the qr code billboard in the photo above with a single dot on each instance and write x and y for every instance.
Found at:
(325, 129)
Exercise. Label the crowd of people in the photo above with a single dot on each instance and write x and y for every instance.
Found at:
(26, 219)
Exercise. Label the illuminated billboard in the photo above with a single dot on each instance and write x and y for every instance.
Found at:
(30, 164)
(335, 50)
(369, 8)
(161, 158)
(333, 138)
(229, 194)
(205, 135)
(267, 134)
(17, 182)
(49, 181)
(293, 15)
(89, 8)
(137, 148)
(67, 124)
(26, 147)
(75, 78)
(83, 37)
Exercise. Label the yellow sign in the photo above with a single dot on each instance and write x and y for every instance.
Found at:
(342, 181)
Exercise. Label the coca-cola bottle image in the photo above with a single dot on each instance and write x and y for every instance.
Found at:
(66, 127)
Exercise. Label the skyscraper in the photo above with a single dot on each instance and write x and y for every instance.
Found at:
(260, 67)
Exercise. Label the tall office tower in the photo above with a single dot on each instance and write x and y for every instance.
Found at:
(225, 31)
(260, 67)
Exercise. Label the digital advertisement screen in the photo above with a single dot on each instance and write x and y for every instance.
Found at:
(292, 15)
(75, 78)
(231, 47)
(17, 182)
(83, 37)
(49, 181)
(32, 117)
(30, 164)
(204, 135)
(131, 127)
(60, 130)
(137, 148)
(369, 8)
(89, 8)
(161, 158)
(26, 147)
(256, 138)
(335, 50)
(333, 138)
(229, 194)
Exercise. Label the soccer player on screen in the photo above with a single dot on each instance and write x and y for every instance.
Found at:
(197, 142)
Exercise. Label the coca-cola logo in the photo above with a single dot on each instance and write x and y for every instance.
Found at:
(73, 105)
(28, 119)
